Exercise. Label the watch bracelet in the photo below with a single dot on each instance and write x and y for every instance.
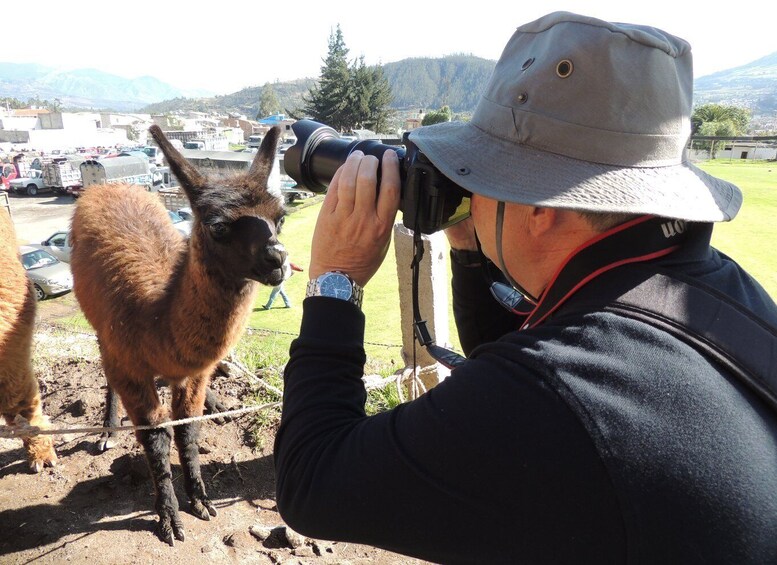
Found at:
(357, 295)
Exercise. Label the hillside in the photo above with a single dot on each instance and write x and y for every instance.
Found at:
(417, 83)
(752, 86)
(420, 83)
(84, 88)
(245, 101)
(457, 80)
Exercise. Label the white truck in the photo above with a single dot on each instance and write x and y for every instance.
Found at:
(61, 174)
(128, 169)
(217, 143)
(32, 183)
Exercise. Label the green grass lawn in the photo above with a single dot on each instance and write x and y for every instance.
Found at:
(382, 334)
(749, 238)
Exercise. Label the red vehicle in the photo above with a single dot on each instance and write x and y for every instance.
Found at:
(7, 174)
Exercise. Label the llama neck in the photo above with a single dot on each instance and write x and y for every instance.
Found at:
(210, 305)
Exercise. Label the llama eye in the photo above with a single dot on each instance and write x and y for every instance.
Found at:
(220, 230)
(279, 224)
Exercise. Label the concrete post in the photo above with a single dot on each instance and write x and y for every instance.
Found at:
(433, 284)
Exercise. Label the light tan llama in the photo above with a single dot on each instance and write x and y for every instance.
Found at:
(19, 394)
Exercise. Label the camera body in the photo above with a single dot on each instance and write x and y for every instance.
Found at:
(429, 201)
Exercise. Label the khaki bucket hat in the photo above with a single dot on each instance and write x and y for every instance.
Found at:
(585, 114)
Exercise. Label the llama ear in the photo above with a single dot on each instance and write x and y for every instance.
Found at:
(262, 164)
(190, 178)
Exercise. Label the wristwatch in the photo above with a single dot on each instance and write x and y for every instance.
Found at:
(336, 285)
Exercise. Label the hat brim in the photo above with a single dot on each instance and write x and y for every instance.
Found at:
(504, 170)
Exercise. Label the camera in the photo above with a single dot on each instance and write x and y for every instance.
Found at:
(429, 201)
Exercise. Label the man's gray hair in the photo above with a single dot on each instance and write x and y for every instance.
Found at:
(602, 221)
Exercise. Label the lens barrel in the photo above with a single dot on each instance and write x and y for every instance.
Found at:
(429, 201)
(319, 151)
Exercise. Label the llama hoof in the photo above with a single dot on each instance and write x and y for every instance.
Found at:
(40, 456)
(203, 508)
(170, 529)
(38, 465)
(213, 406)
(106, 443)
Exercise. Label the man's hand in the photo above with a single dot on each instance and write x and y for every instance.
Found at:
(461, 235)
(354, 225)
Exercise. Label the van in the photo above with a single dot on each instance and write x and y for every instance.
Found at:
(155, 155)
(254, 141)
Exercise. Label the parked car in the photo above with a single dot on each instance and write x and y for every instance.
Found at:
(58, 244)
(183, 226)
(49, 275)
(186, 213)
(31, 184)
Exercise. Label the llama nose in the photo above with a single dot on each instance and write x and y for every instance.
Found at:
(277, 256)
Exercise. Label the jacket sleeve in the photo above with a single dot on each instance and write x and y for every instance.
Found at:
(485, 450)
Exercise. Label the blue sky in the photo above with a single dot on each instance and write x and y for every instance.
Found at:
(224, 46)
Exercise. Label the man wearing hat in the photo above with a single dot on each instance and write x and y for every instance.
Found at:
(626, 410)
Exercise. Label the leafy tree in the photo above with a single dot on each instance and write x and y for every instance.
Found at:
(444, 114)
(739, 118)
(715, 129)
(12, 103)
(268, 103)
(718, 120)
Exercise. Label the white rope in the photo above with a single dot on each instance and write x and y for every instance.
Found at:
(22, 428)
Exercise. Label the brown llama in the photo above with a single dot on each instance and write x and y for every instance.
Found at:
(19, 394)
(167, 307)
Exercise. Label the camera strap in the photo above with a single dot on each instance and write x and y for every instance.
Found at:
(724, 331)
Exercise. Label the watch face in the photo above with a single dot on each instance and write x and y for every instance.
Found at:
(336, 285)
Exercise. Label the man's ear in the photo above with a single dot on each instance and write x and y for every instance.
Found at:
(541, 220)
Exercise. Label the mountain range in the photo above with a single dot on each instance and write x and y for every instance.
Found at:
(423, 83)
(85, 88)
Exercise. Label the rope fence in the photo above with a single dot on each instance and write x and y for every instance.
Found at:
(249, 330)
(21, 428)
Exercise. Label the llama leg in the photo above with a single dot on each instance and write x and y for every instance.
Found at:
(108, 439)
(40, 449)
(141, 402)
(157, 446)
(188, 400)
(213, 405)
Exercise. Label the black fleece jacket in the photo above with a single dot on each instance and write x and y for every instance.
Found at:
(592, 438)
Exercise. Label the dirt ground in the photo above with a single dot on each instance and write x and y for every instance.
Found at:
(97, 508)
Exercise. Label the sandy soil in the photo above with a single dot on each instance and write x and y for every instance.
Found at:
(97, 508)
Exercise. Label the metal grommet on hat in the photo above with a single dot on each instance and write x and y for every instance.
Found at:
(462, 171)
(527, 63)
(522, 98)
(564, 68)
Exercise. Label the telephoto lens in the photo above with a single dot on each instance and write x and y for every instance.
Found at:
(429, 201)
(320, 151)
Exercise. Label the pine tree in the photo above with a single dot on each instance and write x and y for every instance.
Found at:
(360, 89)
(381, 97)
(327, 101)
(347, 96)
(268, 103)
